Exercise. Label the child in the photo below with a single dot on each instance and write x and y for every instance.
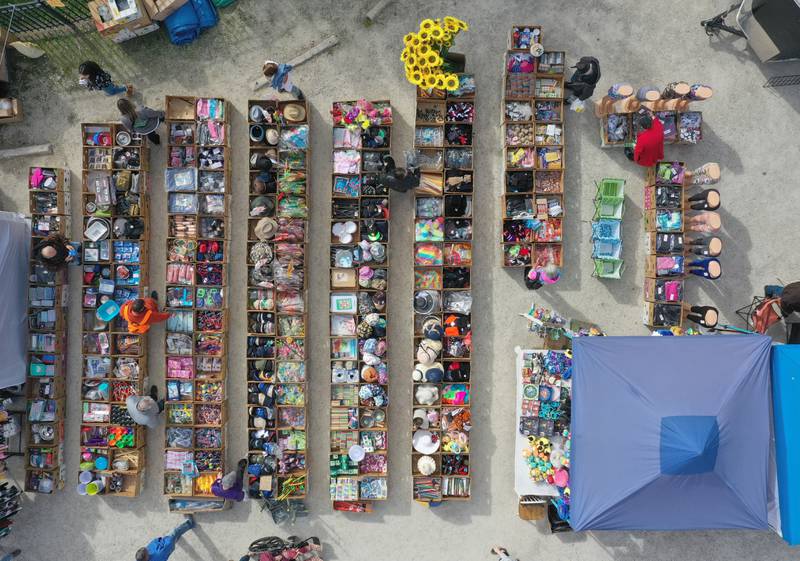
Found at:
(278, 74)
(92, 77)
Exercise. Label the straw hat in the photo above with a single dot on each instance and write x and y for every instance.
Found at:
(272, 136)
(266, 228)
(294, 112)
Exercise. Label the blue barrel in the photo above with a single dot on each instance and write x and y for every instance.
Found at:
(183, 26)
(206, 13)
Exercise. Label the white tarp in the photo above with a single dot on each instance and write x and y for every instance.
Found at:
(15, 242)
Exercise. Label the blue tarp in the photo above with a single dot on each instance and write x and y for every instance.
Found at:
(670, 433)
(786, 411)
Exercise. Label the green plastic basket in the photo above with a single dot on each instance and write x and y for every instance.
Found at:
(609, 207)
(611, 187)
(608, 268)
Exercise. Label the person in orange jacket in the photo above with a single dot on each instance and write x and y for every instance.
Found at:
(141, 313)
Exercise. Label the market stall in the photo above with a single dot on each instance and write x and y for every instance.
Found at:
(115, 226)
(442, 328)
(49, 197)
(277, 317)
(680, 242)
(197, 182)
(534, 144)
(691, 460)
(359, 266)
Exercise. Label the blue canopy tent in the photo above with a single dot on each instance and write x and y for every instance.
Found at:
(670, 433)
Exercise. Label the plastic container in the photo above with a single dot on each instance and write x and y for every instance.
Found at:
(107, 311)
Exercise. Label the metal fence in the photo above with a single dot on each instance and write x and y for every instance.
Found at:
(36, 19)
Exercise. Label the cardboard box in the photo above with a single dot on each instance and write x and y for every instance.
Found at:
(651, 222)
(534, 511)
(159, 10)
(650, 316)
(654, 290)
(10, 110)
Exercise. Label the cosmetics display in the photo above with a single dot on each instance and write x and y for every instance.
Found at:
(359, 267)
(197, 184)
(442, 299)
(534, 145)
(114, 203)
(45, 464)
(277, 299)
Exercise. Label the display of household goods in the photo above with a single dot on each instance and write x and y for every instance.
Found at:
(442, 299)
(197, 182)
(276, 298)
(542, 436)
(609, 206)
(619, 109)
(115, 225)
(533, 129)
(45, 387)
(680, 240)
(359, 273)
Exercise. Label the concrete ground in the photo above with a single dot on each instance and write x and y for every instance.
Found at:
(749, 130)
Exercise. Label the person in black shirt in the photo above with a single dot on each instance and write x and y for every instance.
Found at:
(584, 79)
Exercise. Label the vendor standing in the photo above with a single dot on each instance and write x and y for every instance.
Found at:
(584, 79)
(649, 147)
(141, 313)
(56, 252)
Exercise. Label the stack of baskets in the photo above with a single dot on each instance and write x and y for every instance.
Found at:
(607, 229)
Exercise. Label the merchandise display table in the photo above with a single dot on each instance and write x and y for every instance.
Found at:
(114, 201)
(197, 182)
(533, 129)
(279, 206)
(443, 142)
(46, 382)
(359, 267)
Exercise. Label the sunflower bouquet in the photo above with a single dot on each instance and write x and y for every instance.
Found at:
(425, 53)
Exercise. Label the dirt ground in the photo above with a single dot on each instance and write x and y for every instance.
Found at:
(751, 131)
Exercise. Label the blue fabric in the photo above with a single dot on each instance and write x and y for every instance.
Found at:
(183, 25)
(206, 13)
(280, 77)
(786, 410)
(689, 444)
(624, 388)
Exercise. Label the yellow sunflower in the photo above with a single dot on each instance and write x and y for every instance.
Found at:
(416, 78)
(451, 82)
(426, 24)
(422, 62)
(424, 36)
(433, 59)
(439, 81)
(462, 24)
(451, 27)
(411, 60)
(404, 55)
(430, 81)
(409, 37)
(436, 33)
(423, 50)
(450, 20)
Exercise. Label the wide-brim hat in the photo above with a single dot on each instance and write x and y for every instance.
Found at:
(294, 112)
(256, 113)
(262, 206)
(256, 133)
(271, 136)
(425, 442)
(265, 228)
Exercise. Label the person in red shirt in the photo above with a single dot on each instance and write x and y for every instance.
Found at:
(650, 142)
(142, 313)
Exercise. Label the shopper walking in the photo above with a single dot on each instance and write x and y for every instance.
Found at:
(144, 409)
(141, 313)
(144, 121)
(502, 554)
(278, 75)
(230, 486)
(56, 252)
(95, 78)
(161, 548)
(649, 147)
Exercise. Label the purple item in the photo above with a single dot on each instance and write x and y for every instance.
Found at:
(694, 416)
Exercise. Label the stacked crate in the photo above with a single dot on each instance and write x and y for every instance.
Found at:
(359, 260)
(276, 298)
(664, 223)
(443, 142)
(47, 358)
(197, 181)
(609, 206)
(114, 202)
(534, 153)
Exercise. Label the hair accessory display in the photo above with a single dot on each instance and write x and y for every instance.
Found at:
(359, 257)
